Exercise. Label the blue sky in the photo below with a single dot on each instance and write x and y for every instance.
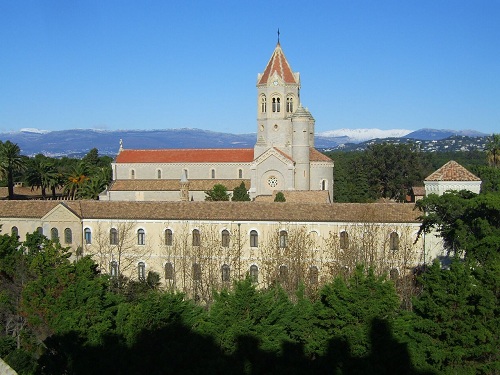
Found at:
(175, 64)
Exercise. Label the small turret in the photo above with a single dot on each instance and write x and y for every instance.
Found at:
(300, 147)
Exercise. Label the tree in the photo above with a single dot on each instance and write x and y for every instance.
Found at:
(240, 193)
(393, 169)
(468, 223)
(41, 173)
(457, 320)
(11, 162)
(76, 180)
(493, 150)
(218, 193)
(280, 197)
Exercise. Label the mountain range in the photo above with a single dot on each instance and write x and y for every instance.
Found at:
(77, 142)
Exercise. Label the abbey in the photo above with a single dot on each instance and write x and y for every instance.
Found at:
(283, 159)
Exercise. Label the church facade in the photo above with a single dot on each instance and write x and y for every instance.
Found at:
(284, 157)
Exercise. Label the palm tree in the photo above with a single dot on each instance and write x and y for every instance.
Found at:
(42, 174)
(493, 150)
(11, 162)
(75, 180)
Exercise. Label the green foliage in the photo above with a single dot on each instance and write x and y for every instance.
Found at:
(490, 178)
(469, 223)
(457, 320)
(280, 197)
(346, 309)
(218, 193)
(11, 162)
(493, 150)
(240, 193)
(246, 312)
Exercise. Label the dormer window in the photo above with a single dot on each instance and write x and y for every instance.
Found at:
(276, 105)
(289, 104)
(263, 104)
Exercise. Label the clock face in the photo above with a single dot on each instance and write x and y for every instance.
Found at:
(275, 83)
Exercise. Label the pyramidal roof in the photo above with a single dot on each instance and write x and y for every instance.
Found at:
(452, 171)
(279, 64)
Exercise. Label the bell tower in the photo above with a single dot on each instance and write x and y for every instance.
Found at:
(278, 98)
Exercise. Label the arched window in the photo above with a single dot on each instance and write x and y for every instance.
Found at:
(113, 237)
(225, 238)
(113, 268)
(212, 173)
(169, 237)
(225, 270)
(158, 174)
(324, 185)
(283, 275)
(87, 236)
(313, 275)
(344, 240)
(196, 272)
(68, 236)
(394, 274)
(276, 104)
(240, 173)
(186, 173)
(132, 174)
(283, 239)
(141, 271)
(14, 231)
(169, 271)
(254, 273)
(254, 238)
(289, 104)
(394, 241)
(141, 237)
(196, 237)
(54, 234)
(263, 104)
(39, 230)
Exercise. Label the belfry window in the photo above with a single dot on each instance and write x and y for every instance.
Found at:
(276, 105)
(213, 173)
(158, 172)
(289, 104)
(132, 174)
(263, 104)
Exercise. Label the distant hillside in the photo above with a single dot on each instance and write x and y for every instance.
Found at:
(78, 142)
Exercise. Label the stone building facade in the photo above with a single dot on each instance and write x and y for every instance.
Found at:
(283, 159)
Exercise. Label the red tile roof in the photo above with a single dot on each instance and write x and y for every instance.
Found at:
(452, 171)
(241, 155)
(315, 155)
(278, 63)
(251, 211)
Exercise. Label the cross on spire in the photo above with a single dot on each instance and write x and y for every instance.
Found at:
(278, 35)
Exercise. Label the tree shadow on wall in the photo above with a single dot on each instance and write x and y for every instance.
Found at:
(176, 349)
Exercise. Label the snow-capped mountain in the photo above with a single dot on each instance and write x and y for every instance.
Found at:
(361, 135)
